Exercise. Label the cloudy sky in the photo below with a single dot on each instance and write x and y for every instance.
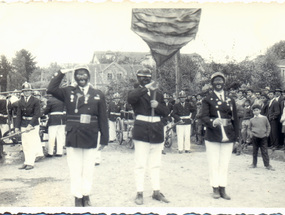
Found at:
(69, 32)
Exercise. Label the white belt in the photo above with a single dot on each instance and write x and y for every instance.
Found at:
(184, 117)
(56, 113)
(27, 117)
(114, 113)
(3, 115)
(148, 118)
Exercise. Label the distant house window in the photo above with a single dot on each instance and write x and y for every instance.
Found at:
(283, 73)
(110, 76)
(119, 76)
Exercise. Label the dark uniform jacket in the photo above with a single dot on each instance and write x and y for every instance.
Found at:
(28, 112)
(53, 107)
(273, 110)
(210, 105)
(86, 115)
(179, 111)
(114, 110)
(151, 132)
(5, 108)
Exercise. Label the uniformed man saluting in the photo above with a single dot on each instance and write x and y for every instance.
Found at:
(219, 115)
(86, 116)
(148, 135)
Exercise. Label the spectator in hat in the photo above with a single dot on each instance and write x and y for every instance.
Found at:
(273, 112)
(250, 96)
(114, 111)
(280, 99)
(148, 135)
(184, 113)
(219, 115)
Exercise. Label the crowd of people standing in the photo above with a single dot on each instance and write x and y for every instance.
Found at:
(79, 119)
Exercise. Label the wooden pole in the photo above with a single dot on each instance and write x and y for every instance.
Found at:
(177, 75)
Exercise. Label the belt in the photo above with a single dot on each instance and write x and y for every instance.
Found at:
(3, 115)
(148, 118)
(226, 122)
(184, 117)
(82, 118)
(114, 113)
(27, 117)
(56, 113)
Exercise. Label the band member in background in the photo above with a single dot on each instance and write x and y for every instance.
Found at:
(28, 113)
(114, 111)
(148, 135)
(86, 117)
(219, 115)
(183, 112)
(55, 110)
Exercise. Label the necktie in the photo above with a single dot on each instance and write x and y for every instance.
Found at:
(82, 89)
(221, 97)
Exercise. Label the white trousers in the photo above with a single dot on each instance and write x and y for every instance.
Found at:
(183, 137)
(31, 144)
(4, 128)
(112, 130)
(98, 153)
(146, 153)
(81, 167)
(218, 155)
(56, 132)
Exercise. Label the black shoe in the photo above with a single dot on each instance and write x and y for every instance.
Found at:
(86, 201)
(270, 168)
(78, 202)
(49, 156)
(23, 166)
(187, 151)
(139, 198)
(180, 152)
(252, 166)
(216, 193)
(57, 155)
(39, 158)
(159, 196)
(97, 164)
(223, 193)
(29, 167)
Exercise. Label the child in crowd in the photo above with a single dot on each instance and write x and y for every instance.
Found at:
(259, 128)
(247, 114)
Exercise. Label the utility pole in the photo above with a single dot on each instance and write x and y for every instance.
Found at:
(177, 74)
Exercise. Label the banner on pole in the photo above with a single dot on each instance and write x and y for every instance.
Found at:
(165, 30)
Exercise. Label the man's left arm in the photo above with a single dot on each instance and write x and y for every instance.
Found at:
(37, 112)
(103, 120)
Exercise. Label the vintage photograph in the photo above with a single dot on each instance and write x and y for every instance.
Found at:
(142, 107)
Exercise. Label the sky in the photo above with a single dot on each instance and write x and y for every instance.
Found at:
(70, 32)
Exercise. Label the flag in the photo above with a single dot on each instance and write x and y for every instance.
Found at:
(165, 30)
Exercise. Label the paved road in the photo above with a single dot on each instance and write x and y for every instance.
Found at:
(184, 181)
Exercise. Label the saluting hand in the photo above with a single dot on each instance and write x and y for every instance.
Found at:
(153, 85)
(64, 71)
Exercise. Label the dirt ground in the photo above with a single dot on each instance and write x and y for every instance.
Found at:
(184, 181)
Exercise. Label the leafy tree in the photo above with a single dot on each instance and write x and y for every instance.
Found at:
(5, 69)
(24, 64)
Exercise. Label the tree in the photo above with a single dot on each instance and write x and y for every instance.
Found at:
(5, 69)
(24, 64)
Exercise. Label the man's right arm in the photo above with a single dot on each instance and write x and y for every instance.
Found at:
(53, 87)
